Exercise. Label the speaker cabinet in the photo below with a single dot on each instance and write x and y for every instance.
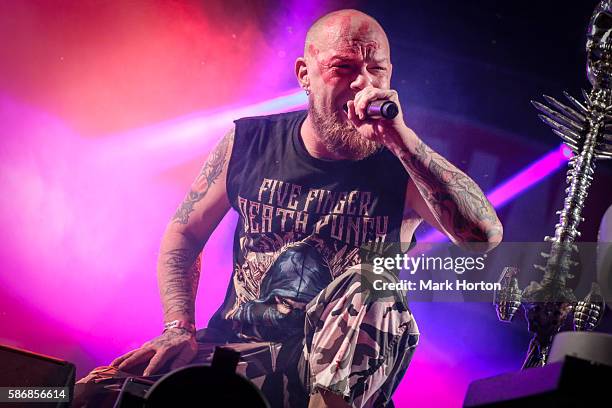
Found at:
(20, 368)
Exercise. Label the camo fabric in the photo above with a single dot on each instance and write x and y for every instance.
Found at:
(359, 341)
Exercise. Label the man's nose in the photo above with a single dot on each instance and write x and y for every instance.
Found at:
(363, 79)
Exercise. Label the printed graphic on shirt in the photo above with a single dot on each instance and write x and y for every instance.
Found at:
(294, 240)
(286, 207)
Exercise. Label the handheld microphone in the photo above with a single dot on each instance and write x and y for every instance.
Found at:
(378, 109)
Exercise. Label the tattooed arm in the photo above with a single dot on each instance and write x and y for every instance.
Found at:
(447, 198)
(437, 191)
(178, 266)
(198, 215)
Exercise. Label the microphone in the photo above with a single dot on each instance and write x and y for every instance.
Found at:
(378, 109)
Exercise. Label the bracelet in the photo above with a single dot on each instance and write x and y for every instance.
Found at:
(180, 324)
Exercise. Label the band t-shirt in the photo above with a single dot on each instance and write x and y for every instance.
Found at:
(302, 222)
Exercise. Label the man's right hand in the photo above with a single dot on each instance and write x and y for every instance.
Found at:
(178, 345)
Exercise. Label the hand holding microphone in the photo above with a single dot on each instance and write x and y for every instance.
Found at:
(379, 109)
(376, 115)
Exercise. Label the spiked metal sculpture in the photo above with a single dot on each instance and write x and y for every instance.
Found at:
(586, 127)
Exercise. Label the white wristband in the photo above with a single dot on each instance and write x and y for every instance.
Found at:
(180, 324)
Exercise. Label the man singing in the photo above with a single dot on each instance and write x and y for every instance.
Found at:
(316, 191)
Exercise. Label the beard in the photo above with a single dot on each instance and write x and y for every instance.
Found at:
(340, 136)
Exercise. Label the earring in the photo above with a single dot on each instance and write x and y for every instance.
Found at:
(307, 91)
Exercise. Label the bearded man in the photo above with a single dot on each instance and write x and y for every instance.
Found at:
(316, 192)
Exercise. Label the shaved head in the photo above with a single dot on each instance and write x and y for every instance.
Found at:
(337, 26)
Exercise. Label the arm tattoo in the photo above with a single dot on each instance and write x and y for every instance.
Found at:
(455, 200)
(207, 177)
(179, 268)
(180, 281)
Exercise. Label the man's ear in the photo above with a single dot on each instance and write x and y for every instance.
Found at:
(301, 73)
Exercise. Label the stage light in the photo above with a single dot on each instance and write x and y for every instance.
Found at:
(174, 142)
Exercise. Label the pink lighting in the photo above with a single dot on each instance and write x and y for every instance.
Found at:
(567, 152)
(79, 204)
(174, 142)
(80, 242)
(82, 221)
(528, 177)
(108, 110)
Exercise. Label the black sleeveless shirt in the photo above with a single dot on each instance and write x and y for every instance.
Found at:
(302, 222)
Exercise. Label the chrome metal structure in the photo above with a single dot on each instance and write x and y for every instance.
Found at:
(586, 127)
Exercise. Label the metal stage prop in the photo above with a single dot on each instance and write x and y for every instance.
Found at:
(586, 127)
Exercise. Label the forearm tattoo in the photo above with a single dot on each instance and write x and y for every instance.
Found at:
(208, 176)
(179, 284)
(455, 200)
